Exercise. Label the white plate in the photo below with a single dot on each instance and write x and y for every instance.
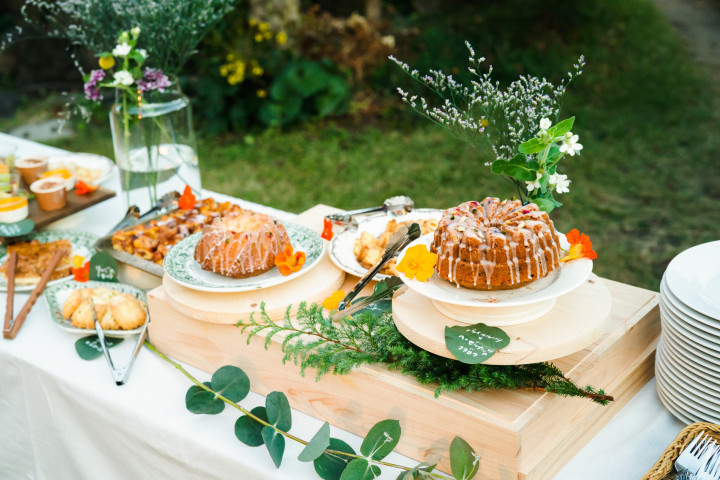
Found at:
(74, 161)
(682, 346)
(82, 244)
(56, 296)
(694, 278)
(694, 375)
(562, 280)
(341, 245)
(700, 328)
(180, 264)
(710, 346)
(686, 311)
(683, 390)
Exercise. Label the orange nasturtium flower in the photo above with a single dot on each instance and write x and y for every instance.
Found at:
(82, 188)
(327, 232)
(332, 302)
(80, 271)
(418, 263)
(187, 199)
(287, 262)
(580, 246)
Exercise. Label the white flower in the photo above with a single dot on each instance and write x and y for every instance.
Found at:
(123, 77)
(545, 124)
(561, 182)
(135, 31)
(570, 145)
(121, 50)
(534, 185)
(142, 52)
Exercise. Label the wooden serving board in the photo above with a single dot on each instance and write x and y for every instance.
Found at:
(75, 203)
(518, 434)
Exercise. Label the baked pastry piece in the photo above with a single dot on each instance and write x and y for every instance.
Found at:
(34, 257)
(495, 245)
(241, 244)
(115, 310)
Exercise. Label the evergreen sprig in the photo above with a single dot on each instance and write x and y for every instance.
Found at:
(315, 341)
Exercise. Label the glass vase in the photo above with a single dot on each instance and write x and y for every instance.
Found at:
(154, 145)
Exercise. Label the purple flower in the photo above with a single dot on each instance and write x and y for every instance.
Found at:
(92, 91)
(153, 79)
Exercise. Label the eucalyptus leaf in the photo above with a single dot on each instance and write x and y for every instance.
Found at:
(360, 469)
(562, 127)
(278, 410)
(231, 382)
(464, 462)
(317, 445)
(90, 348)
(381, 439)
(200, 401)
(533, 145)
(275, 444)
(418, 471)
(330, 466)
(248, 430)
(517, 167)
(474, 344)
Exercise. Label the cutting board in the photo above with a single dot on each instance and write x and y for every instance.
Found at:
(75, 203)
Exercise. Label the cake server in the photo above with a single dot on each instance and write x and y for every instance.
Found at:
(394, 205)
(397, 242)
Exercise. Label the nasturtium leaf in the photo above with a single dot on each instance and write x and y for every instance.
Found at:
(231, 382)
(200, 401)
(248, 430)
(23, 227)
(464, 462)
(89, 347)
(516, 167)
(533, 145)
(317, 445)
(562, 127)
(475, 343)
(103, 267)
(360, 469)
(381, 439)
(275, 444)
(278, 410)
(329, 466)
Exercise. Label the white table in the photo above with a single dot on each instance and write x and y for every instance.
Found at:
(62, 417)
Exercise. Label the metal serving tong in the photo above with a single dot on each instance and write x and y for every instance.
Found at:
(132, 216)
(394, 205)
(120, 375)
(397, 242)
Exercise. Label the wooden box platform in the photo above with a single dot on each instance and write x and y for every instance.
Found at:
(518, 434)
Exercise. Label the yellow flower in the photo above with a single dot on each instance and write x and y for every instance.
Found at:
(418, 263)
(257, 71)
(332, 302)
(483, 122)
(78, 261)
(264, 27)
(261, 93)
(252, 22)
(258, 37)
(281, 38)
(224, 70)
(106, 63)
(230, 57)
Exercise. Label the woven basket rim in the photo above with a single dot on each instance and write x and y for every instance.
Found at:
(665, 463)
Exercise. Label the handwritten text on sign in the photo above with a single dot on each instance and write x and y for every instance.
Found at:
(475, 343)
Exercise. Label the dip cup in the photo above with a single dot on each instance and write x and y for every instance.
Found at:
(31, 168)
(13, 209)
(50, 193)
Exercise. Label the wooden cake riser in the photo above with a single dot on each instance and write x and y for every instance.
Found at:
(518, 434)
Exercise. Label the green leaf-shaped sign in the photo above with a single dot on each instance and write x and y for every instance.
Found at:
(516, 167)
(89, 347)
(464, 462)
(562, 128)
(360, 469)
(275, 444)
(317, 445)
(23, 227)
(331, 466)
(381, 439)
(103, 267)
(200, 401)
(231, 382)
(475, 343)
(278, 410)
(248, 430)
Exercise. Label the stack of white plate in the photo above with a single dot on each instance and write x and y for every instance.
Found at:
(687, 365)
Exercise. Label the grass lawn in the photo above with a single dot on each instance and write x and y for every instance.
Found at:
(646, 187)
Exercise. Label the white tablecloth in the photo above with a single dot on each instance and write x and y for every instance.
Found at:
(62, 417)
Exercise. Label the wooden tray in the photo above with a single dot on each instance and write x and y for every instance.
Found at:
(75, 203)
(518, 434)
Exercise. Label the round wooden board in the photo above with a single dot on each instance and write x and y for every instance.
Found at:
(315, 286)
(576, 321)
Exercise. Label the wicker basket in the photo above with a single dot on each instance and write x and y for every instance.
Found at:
(664, 465)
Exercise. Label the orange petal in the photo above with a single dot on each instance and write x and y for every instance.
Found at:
(573, 236)
(332, 302)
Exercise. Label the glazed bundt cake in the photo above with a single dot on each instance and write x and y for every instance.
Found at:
(495, 245)
(241, 244)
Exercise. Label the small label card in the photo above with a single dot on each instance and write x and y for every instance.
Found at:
(17, 229)
(475, 343)
(103, 267)
(89, 347)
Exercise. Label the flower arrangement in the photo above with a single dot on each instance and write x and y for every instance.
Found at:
(511, 127)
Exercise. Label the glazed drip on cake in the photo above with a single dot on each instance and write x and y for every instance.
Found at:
(241, 244)
(493, 244)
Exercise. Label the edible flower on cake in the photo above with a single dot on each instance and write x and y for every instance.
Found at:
(580, 246)
(289, 262)
(418, 263)
(333, 301)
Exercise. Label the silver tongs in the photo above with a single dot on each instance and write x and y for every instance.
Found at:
(396, 206)
(120, 375)
(397, 242)
(133, 217)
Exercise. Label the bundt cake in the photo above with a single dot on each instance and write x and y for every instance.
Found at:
(495, 245)
(241, 244)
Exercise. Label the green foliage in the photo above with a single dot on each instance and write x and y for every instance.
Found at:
(360, 469)
(464, 463)
(475, 343)
(381, 439)
(275, 444)
(231, 382)
(248, 430)
(330, 466)
(317, 445)
(201, 401)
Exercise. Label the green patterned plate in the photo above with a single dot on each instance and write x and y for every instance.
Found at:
(182, 267)
(82, 243)
(56, 296)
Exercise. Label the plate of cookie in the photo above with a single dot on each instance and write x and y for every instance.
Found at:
(121, 309)
(355, 251)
